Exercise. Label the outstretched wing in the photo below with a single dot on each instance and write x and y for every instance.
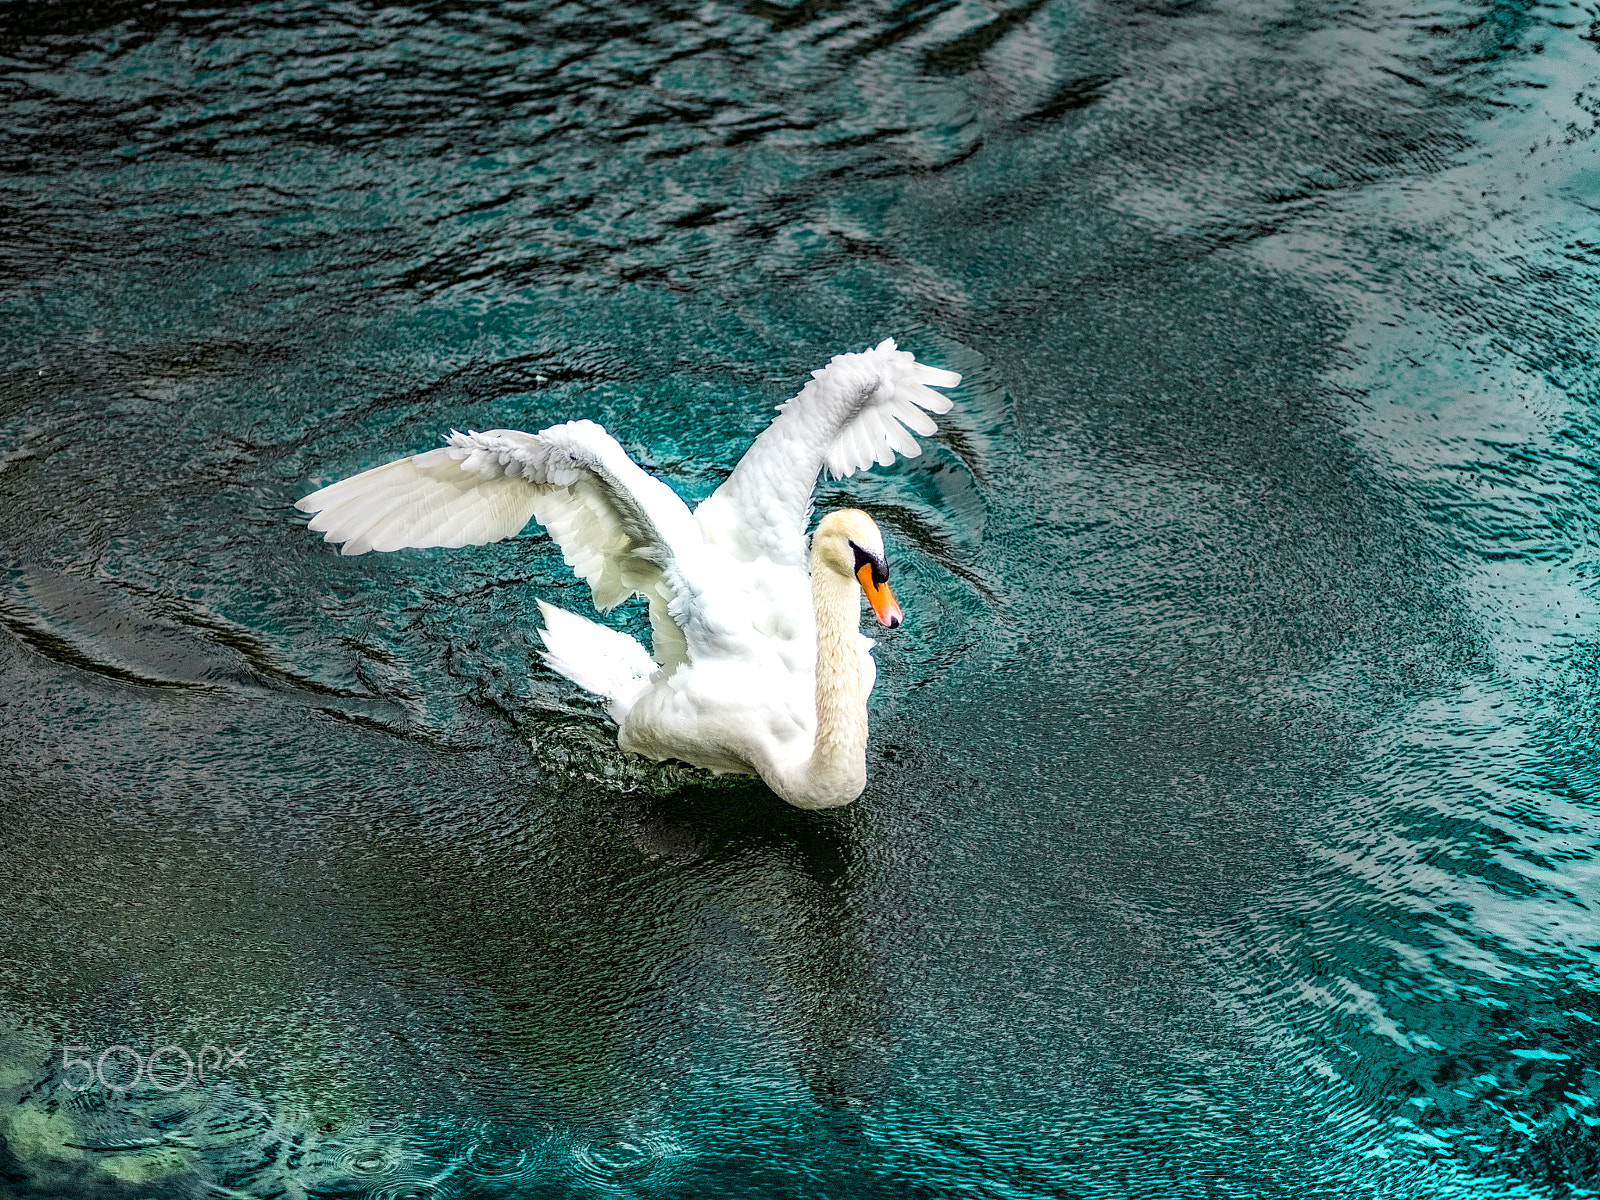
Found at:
(858, 410)
(621, 530)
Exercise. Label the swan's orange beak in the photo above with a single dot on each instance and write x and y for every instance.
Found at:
(884, 606)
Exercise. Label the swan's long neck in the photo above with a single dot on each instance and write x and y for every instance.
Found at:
(836, 772)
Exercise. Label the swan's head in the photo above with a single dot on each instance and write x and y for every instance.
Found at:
(849, 542)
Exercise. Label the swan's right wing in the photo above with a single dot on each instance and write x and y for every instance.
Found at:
(620, 529)
(858, 410)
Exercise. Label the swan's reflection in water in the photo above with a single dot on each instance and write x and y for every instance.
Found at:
(553, 991)
(767, 909)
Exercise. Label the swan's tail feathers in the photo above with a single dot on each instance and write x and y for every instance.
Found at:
(597, 659)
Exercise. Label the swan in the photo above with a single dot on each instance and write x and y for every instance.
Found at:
(757, 663)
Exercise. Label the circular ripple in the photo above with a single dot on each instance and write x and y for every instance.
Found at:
(407, 1189)
(489, 1160)
(369, 1160)
(618, 1156)
(621, 1157)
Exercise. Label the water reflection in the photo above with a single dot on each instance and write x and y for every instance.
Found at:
(590, 966)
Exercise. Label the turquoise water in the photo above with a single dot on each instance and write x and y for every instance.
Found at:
(1232, 819)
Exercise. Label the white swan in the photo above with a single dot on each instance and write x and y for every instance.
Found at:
(758, 665)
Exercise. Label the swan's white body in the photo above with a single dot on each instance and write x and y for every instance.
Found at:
(758, 664)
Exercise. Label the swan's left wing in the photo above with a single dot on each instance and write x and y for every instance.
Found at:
(858, 410)
(620, 529)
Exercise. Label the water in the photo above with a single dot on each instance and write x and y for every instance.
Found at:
(1232, 821)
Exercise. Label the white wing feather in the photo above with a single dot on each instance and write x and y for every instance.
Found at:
(425, 500)
(859, 410)
(620, 529)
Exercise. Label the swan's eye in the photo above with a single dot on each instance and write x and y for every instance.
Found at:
(864, 558)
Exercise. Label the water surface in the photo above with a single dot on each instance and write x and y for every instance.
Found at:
(1232, 817)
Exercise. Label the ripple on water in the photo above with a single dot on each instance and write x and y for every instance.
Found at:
(496, 1161)
(611, 1157)
(369, 1160)
(596, 1157)
(607, 1159)
(408, 1189)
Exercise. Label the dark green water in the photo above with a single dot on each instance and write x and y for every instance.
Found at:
(1232, 819)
